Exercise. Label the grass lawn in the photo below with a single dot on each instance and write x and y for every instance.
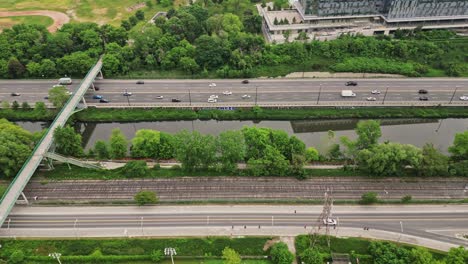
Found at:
(7, 22)
(98, 11)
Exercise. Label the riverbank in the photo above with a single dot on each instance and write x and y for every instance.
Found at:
(164, 114)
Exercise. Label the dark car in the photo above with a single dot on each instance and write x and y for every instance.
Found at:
(15, 94)
(245, 81)
(174, 100)
(96, 88)
(422, 91)
(103, 100)
(351, 83)
(46, 97)
(140, 82)
(423, 98)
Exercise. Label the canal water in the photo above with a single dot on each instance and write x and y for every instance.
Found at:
(440, 132)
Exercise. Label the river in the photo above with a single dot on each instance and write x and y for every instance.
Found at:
(415, 131)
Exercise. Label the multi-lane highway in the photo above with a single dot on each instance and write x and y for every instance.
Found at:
(262, 91)
(432, 222)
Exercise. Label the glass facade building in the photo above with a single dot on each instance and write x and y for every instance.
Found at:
(391, 9)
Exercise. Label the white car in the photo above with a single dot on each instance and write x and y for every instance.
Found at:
(371, 99)
(212, 85)
(245, 96)
(127, 93)
(375, 92)
(227, 92)
(212, 100)
(330, 221)
(464, 98)
(69, 93)
(57, 85)
(159, 97)
(214, 96)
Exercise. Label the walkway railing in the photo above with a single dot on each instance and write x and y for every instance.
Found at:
(30, 166)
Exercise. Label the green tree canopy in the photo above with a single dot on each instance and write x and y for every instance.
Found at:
(230, 256)
(146, 197)
(433, 162)
(280, 254)
(232, 148)
(311, 256)
(459, 149)
(118, 144)
(67, 141)
(58, 96)
(15, 147)
(145, 144)
(195, 150)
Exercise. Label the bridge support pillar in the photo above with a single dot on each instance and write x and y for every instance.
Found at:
(24, 200)
(100, 76)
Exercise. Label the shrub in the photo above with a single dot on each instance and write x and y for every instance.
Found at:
(369, 198)
(312, 154)
(146, 197)
(16, 257)
(157, 255)
(230, 256)
(280, 254)
(135, 169)
(406, 199)
(25, 105)
(15, 105)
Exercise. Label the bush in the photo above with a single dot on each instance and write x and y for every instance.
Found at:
(311, 256)
(369, 198)
(280, 254)
(135, 169)
(312, 154)
(146, 197)
(406, 199)
(157, 255)
(16, 257)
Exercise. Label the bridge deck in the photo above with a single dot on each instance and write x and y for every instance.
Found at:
(30, 166)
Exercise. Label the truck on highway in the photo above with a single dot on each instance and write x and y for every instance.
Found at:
(347, 93)
(65, 81)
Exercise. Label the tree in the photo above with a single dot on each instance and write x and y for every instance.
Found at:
(459, 149)
(312, 154)
(253, 24)
(280, 254)
(140, 15)
(311, 256)
(369, 198)
(40, 107)
(421, 255)
(457, 255)
(368, 134)
(67, 141)
(145, 197)
(135, 169)
(102, 150)
(25, 106)
(189, 65)
(145, 144)
(232, 148)
(231, 23)
(15, 68)
(15, 105)
(58, 96)
(195, 150)
(388, 253)
(389, 159)
(211, 52)
(118, 144)
(406, 199)
(157, 256)
(230, 256)
(15, 147)
(75, 64)
(433, 162)
(17, 257)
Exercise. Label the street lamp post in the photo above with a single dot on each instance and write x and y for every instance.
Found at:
(385, 95)
(320, 91)
(256, 89)
(453, 95)
(56, 256)
(142, 225)
(170, 252)
(190, 97)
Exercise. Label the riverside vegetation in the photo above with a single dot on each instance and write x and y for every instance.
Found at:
(265, 151)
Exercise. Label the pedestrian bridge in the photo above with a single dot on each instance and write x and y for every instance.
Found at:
(41, 150)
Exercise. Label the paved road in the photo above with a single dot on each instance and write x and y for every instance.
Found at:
(266, 91)
(421, 221)
(248, 188)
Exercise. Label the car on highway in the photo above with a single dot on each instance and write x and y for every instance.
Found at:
(127, 93)
(46, 97)
(212, 100)
(371, 99)
(65, 81)
(15, 94)
(245, 81)
(214, 96)
(57, 85)
(96, 88)
(375, 92)
(102, 100)
(159, 97)
(227, 92)
(212, 85)
(423, 98)
(464, 98)
(330, 221)
(69, 93)
(351, 83)
(422, 91)
(175, 100)
(245, 96)
(140, 82)
(96, 96)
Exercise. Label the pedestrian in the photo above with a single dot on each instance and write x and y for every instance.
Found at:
(305, 226)
(232, 226)
(35, 198)
(294, 211)
(245, 227)
(258, 226)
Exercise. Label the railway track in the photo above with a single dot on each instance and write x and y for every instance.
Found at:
(248, 188)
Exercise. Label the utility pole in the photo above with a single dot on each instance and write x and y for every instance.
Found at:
(190, 97)
(324, 219)
(453, 95)
(142, 226)
(170, 252)
(320, 91)
(385, 95)
(256, 89)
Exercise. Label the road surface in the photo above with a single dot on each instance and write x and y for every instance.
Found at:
(436, 222)
(264, 91)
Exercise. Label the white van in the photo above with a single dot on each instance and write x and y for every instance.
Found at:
(347, 93)
(65, 81)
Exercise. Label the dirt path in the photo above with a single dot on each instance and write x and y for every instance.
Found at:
(58, 17)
